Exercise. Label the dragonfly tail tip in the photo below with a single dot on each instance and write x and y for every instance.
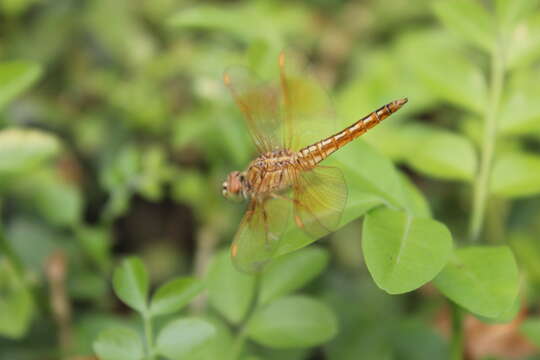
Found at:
(403, 101)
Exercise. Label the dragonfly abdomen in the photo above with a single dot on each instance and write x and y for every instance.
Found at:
(311, 155)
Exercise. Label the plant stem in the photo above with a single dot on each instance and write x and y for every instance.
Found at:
(240, 338)
(481, 186)
(456, 346)
(148, 334)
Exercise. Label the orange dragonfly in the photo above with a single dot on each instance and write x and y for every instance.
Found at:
(286, 122)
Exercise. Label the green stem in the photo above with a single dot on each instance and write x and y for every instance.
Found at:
(481, 186)
(240, 338)
(456, 346)
(149, 335)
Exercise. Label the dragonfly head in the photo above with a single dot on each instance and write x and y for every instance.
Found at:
(233, 187)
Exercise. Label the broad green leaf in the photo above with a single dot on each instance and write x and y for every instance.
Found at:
(376, 175)
(290, 272)
(23, 149)
(531, 329)
(16, 77)
(483, 280)
(469, 19)
(293, 322)
(444, 69)
(404, 252)
(374, 183)
(119, 344)
(516, 175)
(443, 155)
(417, 204)
(184, 338)
(229, 290)
(220, 345)
(174, 295)
(16, 304)
(130, 282)
(506, 316)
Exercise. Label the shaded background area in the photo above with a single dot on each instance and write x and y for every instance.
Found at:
(124, 133)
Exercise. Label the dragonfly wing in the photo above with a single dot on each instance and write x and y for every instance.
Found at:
(306, 109)
(259, 103)
(259, 233)
(320, 196)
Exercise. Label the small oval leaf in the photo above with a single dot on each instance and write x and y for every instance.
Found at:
(184, 338)
(293, 322)
(174, 295)
(118, 344)
(130, 282)
(404, 252)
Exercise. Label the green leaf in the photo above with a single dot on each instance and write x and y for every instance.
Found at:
(118, 344)
(469, 20)
(520, 112)
(184, 338)
(417, 204)
(58, 201)
(374, 183)
(484, 280)
(523, 44)
(16, 77)
(509, 12)
(293, 322)
(221, 344)
(404, 252)
(531, 329)
(460, 83)
(130, 282)
(23, 149)
(443, 155)
(174, 295)
(516, 175)
(16, 304)
(96, 243)
(290, 272)
(229, 290)
(506, 316)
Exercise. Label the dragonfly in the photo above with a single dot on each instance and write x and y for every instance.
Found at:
(286, 121)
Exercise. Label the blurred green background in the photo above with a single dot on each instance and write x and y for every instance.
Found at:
(116, 133)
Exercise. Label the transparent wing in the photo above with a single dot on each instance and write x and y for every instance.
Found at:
(260, 105)
(307, 112)
(259, 233)
(320, 196)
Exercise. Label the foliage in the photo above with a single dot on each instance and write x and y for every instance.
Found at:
(117, 132)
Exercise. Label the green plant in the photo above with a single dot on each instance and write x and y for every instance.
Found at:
(114, 139)
(180, 338)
